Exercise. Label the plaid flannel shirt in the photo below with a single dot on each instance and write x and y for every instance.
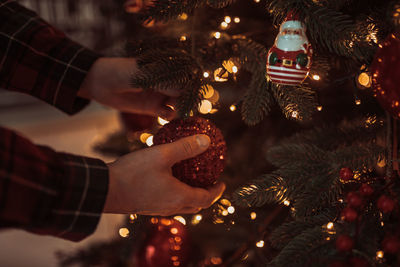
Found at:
(43, 191)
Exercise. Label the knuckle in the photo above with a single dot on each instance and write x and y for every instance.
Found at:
(187, 148)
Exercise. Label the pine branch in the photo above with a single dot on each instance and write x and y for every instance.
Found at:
(297, 251)
(219, 3)
(296, 102)
(190, 98)
(165, 10)
(257, 101)
(269, 188)
(282, 235)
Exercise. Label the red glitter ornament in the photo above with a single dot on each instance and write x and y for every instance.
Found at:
(349, 214)
(385, 70)
(346, 174)
(366, 190)
(385, 204)
(204, 169)
(391, 244)
(354, 200)
(344, 243)
(166, 244)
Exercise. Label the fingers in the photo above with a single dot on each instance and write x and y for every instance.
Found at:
(204, 198)
(184, 148)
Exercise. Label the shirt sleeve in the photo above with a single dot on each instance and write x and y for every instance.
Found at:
(49, 193)
(38, 59)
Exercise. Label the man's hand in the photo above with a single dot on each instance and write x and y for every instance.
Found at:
(108, 82)
(142, 182)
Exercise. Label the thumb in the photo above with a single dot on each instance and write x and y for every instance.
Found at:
(186, 148)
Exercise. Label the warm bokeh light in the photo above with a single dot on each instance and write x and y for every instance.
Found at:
(208, 91)
(316, 77)
(364, 79)
(149, 140)
(236, 19)
(133, 217)
(180, 219)
(143, 137)
(231, 209)
(225, 202)
(217, 35)
(380, 254)
(319, 108)
(358, 102)
(206, 74)
(174, 230)
(183, 38)
(227, 19)
(235, 69)
(224, 213)
(286, 202)
(260, 244)
(123, 232)
(329, 226)
(220, 77)
(224, 25)
(183, 16)
(253, 215)
(196, 219)
(232, 108)
(216, 260)
(161, 121)
(205, 106)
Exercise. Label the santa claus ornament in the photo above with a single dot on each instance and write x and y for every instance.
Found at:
(289, 59)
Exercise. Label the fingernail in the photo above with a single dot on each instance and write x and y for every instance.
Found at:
(203, 140)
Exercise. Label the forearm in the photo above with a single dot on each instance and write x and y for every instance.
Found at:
(37, 59)
(49, 193)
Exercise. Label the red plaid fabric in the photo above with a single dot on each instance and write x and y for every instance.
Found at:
(41, 190)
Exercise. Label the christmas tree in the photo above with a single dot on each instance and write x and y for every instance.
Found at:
(313, 171)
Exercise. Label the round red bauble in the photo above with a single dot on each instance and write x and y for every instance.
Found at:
(137, 122)
(166, 244)
(346, 174)
(391, 245)
(358, 262)
(344, 243)
(366, 190)
(349, 214)
(385, 71)
(204, 169)
(354, 199)
(385, 204)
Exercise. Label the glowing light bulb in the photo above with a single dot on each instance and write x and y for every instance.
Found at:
(295, 114)
(329, 226)
(235, 69)
(224, 25)
(180, 219)
(253, 215)
(286, 202)
(217, 35)
(236, 19)
(206, 74)
(232, 108)
(143, 137)
(257, 1)
(133, 217)
(260, 244)
(161, 121)
(183, 38)
(196, 219)
(358, 102)
(380, 254)
(174, 231)
(124, 232)
(227, 19)
(205, 106)
(319, 108)
(231, 209)
(183, 16)
(149, 140)
(224, 213)
(364, 79)
(316, 77)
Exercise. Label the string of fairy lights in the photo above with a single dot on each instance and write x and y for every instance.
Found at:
(211, 96)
